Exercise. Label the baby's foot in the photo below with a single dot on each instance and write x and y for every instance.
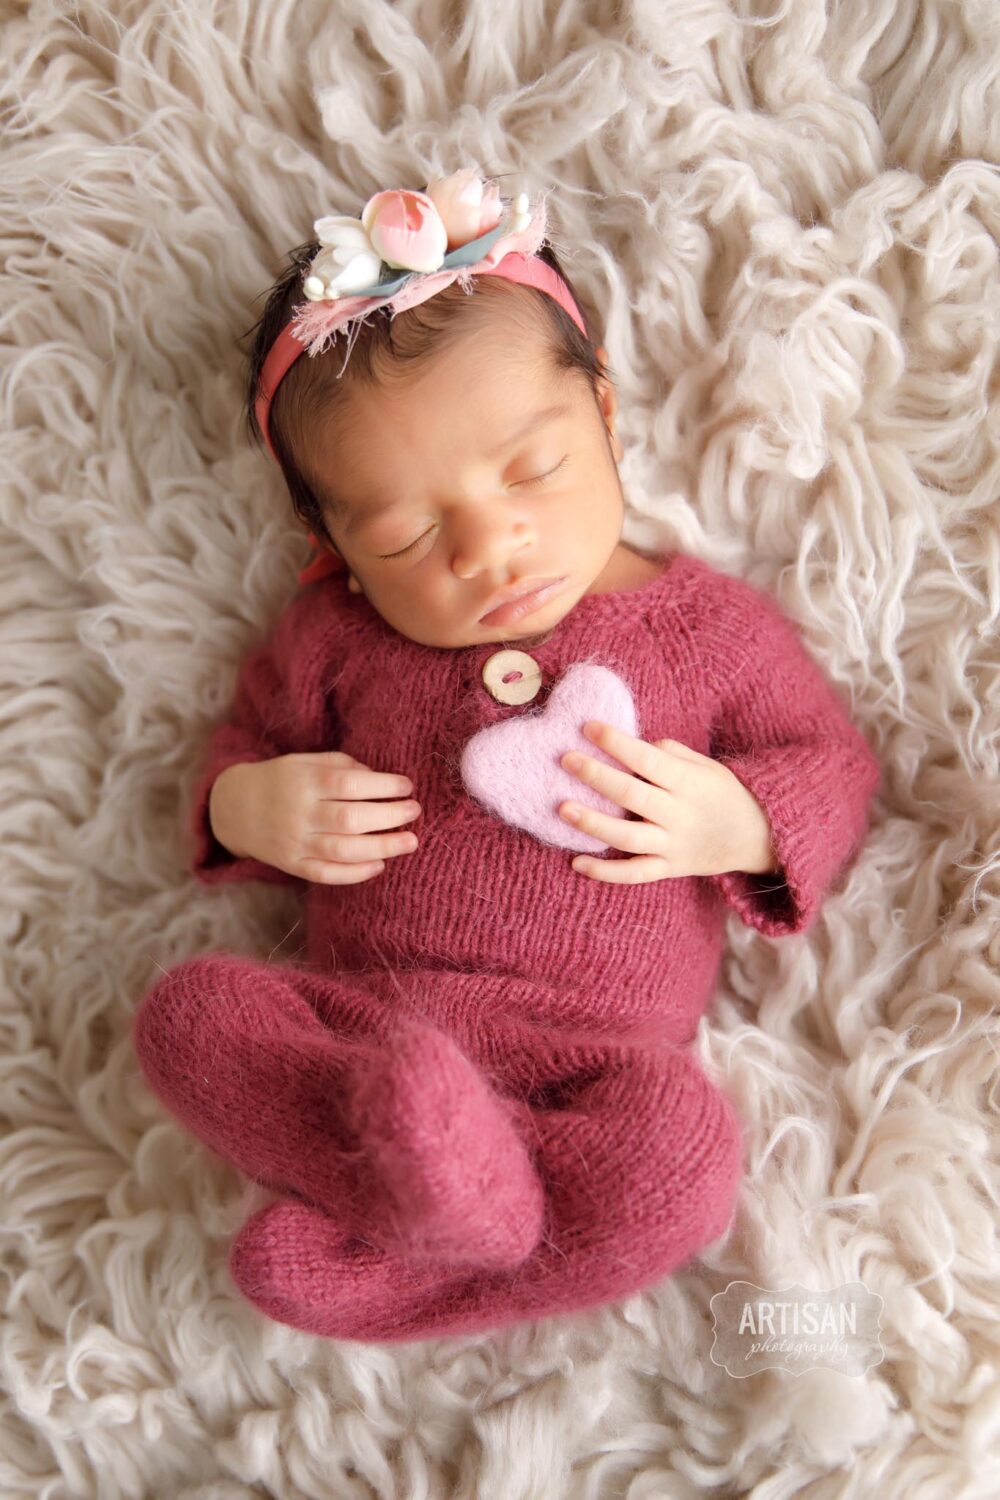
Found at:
(297, 1266)
(449, 1176)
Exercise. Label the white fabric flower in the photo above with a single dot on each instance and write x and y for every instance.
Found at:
(348, 262)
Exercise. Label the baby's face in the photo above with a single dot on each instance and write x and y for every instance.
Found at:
(487, 469)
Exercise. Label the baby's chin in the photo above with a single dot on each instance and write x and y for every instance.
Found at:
(526, 642)
(516, 640)
(499, 643)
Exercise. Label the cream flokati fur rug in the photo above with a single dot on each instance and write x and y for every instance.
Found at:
(788, 223)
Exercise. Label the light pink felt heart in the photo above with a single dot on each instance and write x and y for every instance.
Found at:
(513, 768)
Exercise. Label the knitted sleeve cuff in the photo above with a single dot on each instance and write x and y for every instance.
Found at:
(211, 862)
(816, 798)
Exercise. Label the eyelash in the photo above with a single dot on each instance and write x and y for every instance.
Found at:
(538, 479)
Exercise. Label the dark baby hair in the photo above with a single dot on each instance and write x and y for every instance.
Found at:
(310, 391)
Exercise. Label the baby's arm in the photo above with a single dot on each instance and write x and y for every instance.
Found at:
(783, 729)
(281, 706)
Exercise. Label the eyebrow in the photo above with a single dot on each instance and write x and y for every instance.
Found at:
(340, 511)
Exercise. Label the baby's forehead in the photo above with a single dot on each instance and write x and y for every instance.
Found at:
(475, 404)
(478, 429)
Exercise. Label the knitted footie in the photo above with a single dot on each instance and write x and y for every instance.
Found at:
(451, 1175)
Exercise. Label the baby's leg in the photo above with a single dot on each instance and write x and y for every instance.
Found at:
(641, 1168)
(309, 1082)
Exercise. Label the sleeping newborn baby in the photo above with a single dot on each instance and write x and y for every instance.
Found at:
(519, 773)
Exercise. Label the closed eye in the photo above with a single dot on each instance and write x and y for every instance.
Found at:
(537, 479)
(385, 555)
(541, 478)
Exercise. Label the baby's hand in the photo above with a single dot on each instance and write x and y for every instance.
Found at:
(697, 817)
(313, 815)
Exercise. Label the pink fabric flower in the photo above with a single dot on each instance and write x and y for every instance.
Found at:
(405, 229)
(468, 206)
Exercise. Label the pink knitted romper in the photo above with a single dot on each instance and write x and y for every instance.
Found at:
(474, 1092)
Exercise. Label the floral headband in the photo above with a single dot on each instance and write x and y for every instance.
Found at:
(451, 231)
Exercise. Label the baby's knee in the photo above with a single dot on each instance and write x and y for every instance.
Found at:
(168, 1015)
(729, 1138)
(695, 1100)
(716, 1159)
(691, 1124)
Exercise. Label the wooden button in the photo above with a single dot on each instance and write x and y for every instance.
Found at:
(512, 676)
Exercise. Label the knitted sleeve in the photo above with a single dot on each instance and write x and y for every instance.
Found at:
(783, 729)
(282, 705)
